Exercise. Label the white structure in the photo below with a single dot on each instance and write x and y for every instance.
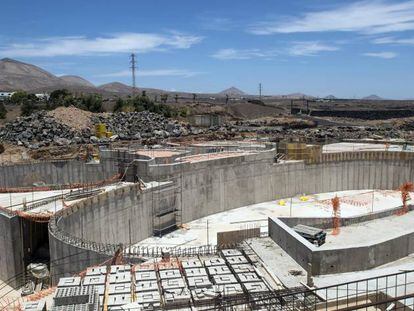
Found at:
(5, 95)
(42, 96)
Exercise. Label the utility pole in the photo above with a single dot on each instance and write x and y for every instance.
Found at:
(133, 68)
(260, 91)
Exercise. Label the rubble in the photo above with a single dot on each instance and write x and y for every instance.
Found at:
(43, 128)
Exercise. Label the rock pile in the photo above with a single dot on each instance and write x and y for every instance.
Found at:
(136, 125)
(44, 129)
(38, 130)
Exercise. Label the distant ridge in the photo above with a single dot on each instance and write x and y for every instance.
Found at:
(373, 97)
(299, 96)
(232, 91)
(116, 87)
(15, 75)
(76, 80)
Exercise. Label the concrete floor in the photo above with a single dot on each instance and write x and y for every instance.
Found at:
(348, 147)
(204, 230)
(371, 232)
(14, 201)
(278, 262)
(212, 156)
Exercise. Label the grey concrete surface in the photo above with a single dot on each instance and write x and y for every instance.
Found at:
(55, 172)
(349, 253)
(204, 188)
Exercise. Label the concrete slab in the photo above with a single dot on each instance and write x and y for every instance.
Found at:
(146, 286)
(34, 305)
(236, 260)
(173, 283)
(95, 271)
(218, 270)
(69, 282)
(120, 269)
(256, 287)
(170, 274)
(195, 272)
(231, 252)
(248, 277)
(177, 296)
(199, 282)
(203, 295)
(94, 280)
(121, 277)
(230, 290)
(118, 300)
(148, 297)
(119, 288)
(224, 279)
(278, 263)
(214, 262)
(191, 263)
(243, 268)
(145, 275)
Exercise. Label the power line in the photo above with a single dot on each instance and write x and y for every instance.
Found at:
(133, 68)
(260, 91)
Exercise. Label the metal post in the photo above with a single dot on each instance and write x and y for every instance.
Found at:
(372, 208)
(207, 234)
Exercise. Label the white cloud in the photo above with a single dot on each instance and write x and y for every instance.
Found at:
(120, 43)
(240, 54)
(310, 48)
(371, 17)
(301, 48)
(391, 40)
(153, 73)
(216, 23)
(384, 55)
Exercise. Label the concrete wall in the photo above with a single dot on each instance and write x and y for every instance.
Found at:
(291, 242)
(330, 261)
(55, 172)
(11, 254)
(120, 216)
(208, 187)
(68, 259)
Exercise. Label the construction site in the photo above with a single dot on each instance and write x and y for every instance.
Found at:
(214, 225)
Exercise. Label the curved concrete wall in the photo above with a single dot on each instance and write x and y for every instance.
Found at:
(331, 261)
(204, 188)
(55, 172)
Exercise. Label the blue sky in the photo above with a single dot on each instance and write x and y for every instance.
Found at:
(318, 47)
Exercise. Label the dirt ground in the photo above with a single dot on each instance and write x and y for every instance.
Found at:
(73, 117)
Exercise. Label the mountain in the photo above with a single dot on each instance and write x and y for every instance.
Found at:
(116, 87)
(330, 97)
(299, 96)
(15, 75)
(232, 92)
(76, 80)
(373, 97)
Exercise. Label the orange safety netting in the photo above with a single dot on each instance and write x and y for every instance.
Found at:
(405, 189)
(336, 215)
(60, 187)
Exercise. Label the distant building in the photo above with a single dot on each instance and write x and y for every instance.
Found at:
(42, 96)
(5, 95)
(206, 120)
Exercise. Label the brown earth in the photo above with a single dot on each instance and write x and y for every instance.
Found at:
(73, 117)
